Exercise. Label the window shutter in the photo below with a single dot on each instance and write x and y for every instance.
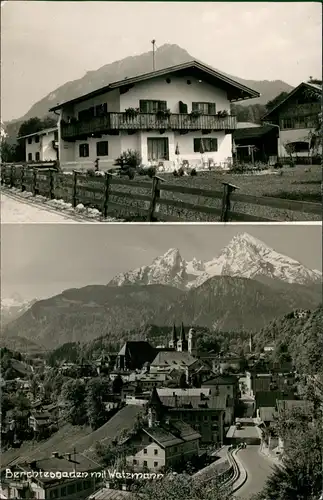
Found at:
(214, 144)
(211, 110)
(182, 107)
(162, 105)
(195, 106)
(197, 145)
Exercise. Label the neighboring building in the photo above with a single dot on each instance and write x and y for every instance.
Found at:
(163, 443)
(256, 144)
(227, 385)
(41, 487)
(42, 146)
(133, 355)
(297, 117)
(151, 113)
(206, 413)
(39, 421)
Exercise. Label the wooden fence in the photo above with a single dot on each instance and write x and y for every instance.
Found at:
(153, 200)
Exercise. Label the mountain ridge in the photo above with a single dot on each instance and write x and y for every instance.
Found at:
(166, 56)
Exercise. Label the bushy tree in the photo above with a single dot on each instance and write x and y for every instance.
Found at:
(183, 486)
(73, 399)
(95, 408)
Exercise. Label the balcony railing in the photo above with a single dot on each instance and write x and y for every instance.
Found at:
(146, 121)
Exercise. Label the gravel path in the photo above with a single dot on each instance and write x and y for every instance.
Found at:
(20, 211)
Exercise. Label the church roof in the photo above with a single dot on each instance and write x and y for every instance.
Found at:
(180, 359)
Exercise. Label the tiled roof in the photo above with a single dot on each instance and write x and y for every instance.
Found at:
(169, 391)
(252, 133)
(195, 402)
(221, 380)
(177, 358)
(172, 434)
(109, 494)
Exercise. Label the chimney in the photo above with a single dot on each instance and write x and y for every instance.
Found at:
(69, 456)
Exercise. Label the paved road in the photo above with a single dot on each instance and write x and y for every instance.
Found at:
(16, 211)
(258, 468)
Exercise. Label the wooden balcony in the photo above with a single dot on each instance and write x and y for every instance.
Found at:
(113, 122)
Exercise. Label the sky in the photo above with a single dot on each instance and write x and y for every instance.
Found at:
(41, 260)
(46, 44)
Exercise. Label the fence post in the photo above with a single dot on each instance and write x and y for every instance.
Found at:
(11, 176)
(34, 181)
(51, 185)
(106, 194)
(155, 195)
(226, 200)
(74, 188)
(22, 178)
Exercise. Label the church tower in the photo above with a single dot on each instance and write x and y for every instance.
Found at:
(192, 342)
(182, 342)
(172, 344)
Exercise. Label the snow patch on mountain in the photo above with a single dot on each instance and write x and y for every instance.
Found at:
(14, 306)
(245, 256)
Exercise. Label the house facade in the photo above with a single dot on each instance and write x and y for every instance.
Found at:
(297, 117)
(163, 115)
(42, 146)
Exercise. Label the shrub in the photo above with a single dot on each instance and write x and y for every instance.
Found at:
(90, 172)
(132, 112)
(129, 158)
(193, 172)
(181, 171)
(163, 113)
(278, 165)
(196, 113)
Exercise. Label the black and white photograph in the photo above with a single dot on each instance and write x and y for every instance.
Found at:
(161, 328)
(204, 115)
(159, 350)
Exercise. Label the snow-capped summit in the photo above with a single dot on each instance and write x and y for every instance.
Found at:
(167, 269)
(245, 256)
(13, 306)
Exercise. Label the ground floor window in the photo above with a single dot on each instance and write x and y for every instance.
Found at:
(209, 145)
(84, 150)
(37, 156)
(30, 157)
(158, 148)
(102, 148)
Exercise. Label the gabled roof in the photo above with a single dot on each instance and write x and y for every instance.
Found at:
(45, 131)
(171, 434)
(311, 86)
(195, 402)
(221, 380)
(168, 358)
(239, 91)
(254, 132)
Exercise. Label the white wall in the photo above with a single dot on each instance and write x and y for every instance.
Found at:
(186, 146)
(33, 148)
(48, 153)
(177, 90)
(70, 158)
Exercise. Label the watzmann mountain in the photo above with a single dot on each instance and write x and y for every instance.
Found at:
(244, 257)
(247, 285)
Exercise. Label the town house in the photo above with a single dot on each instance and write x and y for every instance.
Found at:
(42, 145)
(175, 113)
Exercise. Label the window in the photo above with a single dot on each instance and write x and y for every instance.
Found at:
(155, 464)
(101, 109)
(37, 138)
(206, 108)
(71, 489)
(79, 486)
(145, 451)
(155, 452)
(63, 491)
(209, 144)
(37, 156)
(30, 140)
(145, 463)
(134, 462)
(157, 149)
(56, 135)
(84, 150)
(287, 123)
(102, 148)
(30, 157)
(152, 106)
